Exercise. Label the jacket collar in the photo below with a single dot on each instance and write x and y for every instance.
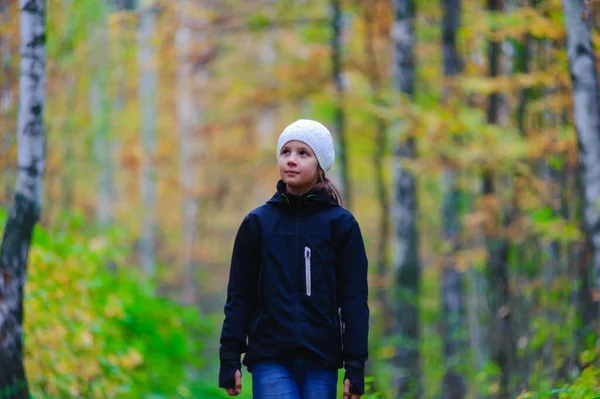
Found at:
(315, 198)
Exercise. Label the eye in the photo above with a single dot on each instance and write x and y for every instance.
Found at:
(285, 151)
(303, 152)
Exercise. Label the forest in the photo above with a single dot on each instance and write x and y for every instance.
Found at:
(136, 135)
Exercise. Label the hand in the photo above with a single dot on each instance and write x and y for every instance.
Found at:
(238, 385)
(347, 391)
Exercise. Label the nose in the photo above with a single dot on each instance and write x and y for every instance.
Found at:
(291, 160)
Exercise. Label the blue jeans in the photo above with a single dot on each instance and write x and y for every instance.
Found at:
(294, 378)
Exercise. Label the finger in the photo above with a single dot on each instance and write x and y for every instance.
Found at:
(346, 388)
(230, 392)
(238, 382)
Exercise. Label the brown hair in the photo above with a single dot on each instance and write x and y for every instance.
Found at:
(326, 184)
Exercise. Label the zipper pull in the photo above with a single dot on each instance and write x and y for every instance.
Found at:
(307, 271)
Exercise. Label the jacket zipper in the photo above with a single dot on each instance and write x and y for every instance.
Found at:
(297, 291)
(341, 327)
(307, 271)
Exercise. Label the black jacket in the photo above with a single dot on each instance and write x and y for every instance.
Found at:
(298, 284)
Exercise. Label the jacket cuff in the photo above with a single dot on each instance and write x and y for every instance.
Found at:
(355, 372)
(227, 374)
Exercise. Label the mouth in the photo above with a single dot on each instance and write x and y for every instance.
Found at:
(290, 172)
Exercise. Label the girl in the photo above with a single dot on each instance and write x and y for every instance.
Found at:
(298, 283)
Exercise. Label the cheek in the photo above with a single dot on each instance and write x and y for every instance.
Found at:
(281, 163)
(313, 168)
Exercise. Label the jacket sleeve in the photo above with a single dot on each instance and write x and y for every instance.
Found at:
(241, 299)
(353, 300)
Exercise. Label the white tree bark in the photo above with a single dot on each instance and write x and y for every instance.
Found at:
(582, 64)
(27, 202)
(31, 140)
(148, 110)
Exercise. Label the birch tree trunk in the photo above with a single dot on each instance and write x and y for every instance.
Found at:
(586, 108)
(336, 47)
(188, 117)
(407, 268)
(27, 202)
(148, 110)
(453, 307)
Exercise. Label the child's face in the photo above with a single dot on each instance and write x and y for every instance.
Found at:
(298, 167)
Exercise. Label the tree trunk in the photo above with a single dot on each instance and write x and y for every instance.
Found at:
(124, 4)
(381, 259)
(453, 319)
(407, 268)
(100, 111)
(386, 314)
(451, 24)
(107, 144)
(586, 108)
(27, 203)
(453, 306)
(522, 309)
(188, 117)
(477, 310)
(580, 255)
(502, 350)
(522, 62)
(148, 111)
(554, 265)
(569, 266)
(336, 47)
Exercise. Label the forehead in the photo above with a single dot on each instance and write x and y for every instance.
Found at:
(297, 145)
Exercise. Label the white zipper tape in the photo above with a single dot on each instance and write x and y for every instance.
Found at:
(307, 270)
(341, 327)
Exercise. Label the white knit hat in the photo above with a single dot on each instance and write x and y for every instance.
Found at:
(315, 135)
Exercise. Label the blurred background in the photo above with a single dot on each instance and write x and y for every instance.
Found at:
(456, 151)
